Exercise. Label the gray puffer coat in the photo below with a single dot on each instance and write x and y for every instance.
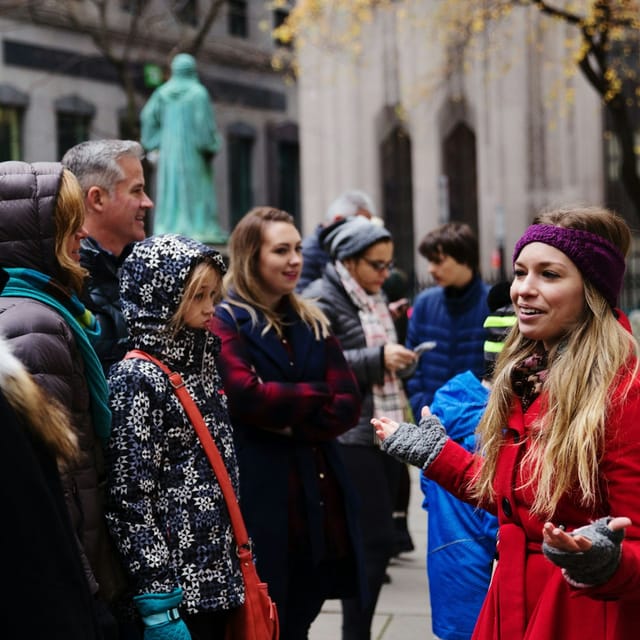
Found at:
(41, 338)
(367, 362)
(166, 510)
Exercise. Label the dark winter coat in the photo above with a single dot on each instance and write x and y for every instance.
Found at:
(454, 322)
(166, 510)
(366, 362)
(102, 297)
(289, 399)
(44, 342)
(314, 258)
(41, 557)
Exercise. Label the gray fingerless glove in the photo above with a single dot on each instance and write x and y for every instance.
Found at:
(595, 566)
(417, 444)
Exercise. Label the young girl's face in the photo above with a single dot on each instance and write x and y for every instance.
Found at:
(199, 309)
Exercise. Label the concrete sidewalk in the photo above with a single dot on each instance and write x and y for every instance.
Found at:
(403, 607)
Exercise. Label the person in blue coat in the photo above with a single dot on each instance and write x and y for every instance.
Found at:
(451, 313)
(459, 534)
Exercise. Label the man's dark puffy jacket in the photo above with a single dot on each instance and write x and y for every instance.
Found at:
(102, 297)
(314, 259)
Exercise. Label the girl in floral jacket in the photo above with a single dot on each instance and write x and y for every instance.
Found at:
(166, 510)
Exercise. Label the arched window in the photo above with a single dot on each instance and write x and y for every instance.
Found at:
(284, 167)
(459, 165)
(397, 194)
(240, 141)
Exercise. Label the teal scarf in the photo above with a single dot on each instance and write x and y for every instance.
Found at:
(27, 283)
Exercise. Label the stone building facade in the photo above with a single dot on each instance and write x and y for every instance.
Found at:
(489, 145)
(57, 89)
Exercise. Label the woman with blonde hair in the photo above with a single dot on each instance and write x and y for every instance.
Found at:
(559, 442)
(51, 332)
(291, 393)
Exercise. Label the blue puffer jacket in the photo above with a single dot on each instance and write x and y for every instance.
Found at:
(461, 539)
(455, 323)
(166, 511)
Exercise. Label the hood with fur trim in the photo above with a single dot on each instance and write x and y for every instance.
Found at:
(46, 420)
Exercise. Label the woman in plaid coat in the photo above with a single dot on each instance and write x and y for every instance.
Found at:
(291, 393)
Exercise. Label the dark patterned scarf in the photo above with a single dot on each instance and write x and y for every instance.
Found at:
(529, 376)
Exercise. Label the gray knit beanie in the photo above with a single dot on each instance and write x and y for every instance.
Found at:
(353, 237)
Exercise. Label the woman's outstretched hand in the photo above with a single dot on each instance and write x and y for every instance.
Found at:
(558, 538)
(385, 427)
(589, 555)
(417, 444)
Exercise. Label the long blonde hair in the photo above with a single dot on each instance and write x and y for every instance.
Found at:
(69, 218)
(568, 438)
(199, 275)
(242, 277)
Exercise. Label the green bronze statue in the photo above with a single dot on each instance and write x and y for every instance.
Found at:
(178, 122)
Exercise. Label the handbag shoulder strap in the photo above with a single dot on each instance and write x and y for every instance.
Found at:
(237, 522)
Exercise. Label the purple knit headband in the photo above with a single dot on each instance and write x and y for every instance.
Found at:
(599, 261)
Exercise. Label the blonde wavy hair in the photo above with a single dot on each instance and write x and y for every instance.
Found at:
(243, 277)
(69, 218)
(568, 438)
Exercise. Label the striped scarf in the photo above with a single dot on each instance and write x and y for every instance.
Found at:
(377, 324)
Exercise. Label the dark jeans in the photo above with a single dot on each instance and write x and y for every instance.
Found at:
(367, 470)
(207, 626)
(307, 589)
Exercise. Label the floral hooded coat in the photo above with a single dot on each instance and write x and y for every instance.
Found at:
(166, 510)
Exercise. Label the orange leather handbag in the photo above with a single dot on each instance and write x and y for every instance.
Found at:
(257, 618)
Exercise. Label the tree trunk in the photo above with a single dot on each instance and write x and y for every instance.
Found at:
(624, 131)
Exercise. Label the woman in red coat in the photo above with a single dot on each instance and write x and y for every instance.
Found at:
(560, 442)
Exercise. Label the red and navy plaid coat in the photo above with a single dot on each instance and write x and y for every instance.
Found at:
(288, 400)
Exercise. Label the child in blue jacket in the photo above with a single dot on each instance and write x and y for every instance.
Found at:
(461, 539)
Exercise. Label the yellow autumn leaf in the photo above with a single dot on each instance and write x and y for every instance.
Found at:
(477, 24)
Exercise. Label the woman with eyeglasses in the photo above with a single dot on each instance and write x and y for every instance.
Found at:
(350, 293)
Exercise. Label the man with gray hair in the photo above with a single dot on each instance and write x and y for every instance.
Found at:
(111, 176)
(351, 203)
